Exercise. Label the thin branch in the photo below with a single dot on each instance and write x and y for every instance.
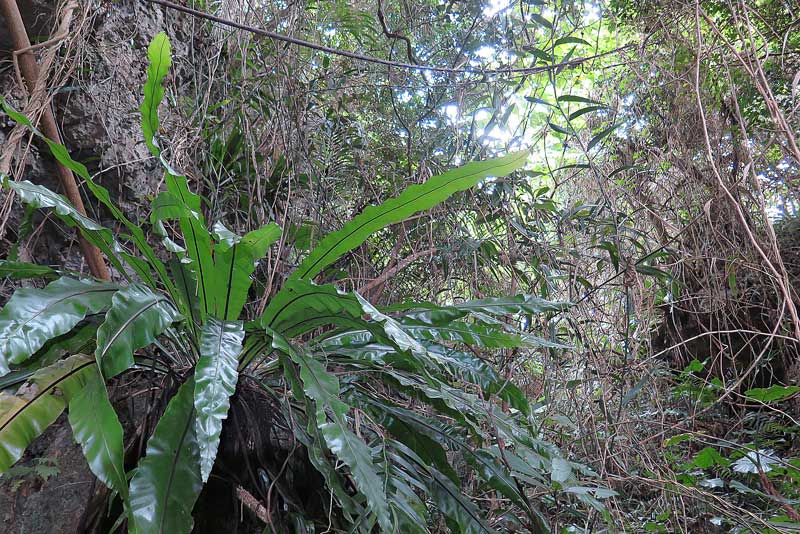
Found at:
(370, 59)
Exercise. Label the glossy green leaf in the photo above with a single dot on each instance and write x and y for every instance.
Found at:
(216, 375)
(414, 199)
(97, 430)
(101, 193)
(23, 417)
(160, 60)
(40, 197)
(136, 317)
(167, 482)
(773, 393)
(438, 315)
(233, 266)
(33, 316)
(301, 306)
(476, 334)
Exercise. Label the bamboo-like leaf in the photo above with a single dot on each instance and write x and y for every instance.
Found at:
(97, 429)
(215, 381)
(136, 317)
(160, 60)
(33, 316)
(25, 416)
(167, 482)
(414, 199)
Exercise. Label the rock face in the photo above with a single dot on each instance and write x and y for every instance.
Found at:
(29, 503)
(97, 108)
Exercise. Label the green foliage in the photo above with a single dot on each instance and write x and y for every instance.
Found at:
(215, 381)
(350, 370)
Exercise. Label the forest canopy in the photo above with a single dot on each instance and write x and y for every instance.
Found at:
(422, 266)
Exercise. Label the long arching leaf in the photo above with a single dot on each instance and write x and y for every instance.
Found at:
(432, 314)
(34, 316)
(167, 482)
(215, 381)
(97, 429)
(461, 513)
(301, 306)
(60, 152)
(160, 60)
(414, 199)
(38, 196)
(233, 266)
(25, 416)
(136, 317)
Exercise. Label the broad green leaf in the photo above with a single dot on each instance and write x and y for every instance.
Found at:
(476, 334)
(318, 383)
(33, 316)
(167, 482)
(414, 199)
(307, 432)
(97, 430)
(409, 510)
(484, 463)
(772, 394)
(233, 266)
(136, 317)
(469, 368)
(36, 406)
(186, 284)
(463, 516)
(515, 304)
(393, 329)
(215, 381)
(160, 60)
(437, 315)
(301, 306)
(709, 457)
(197, 239)
(561, 470)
